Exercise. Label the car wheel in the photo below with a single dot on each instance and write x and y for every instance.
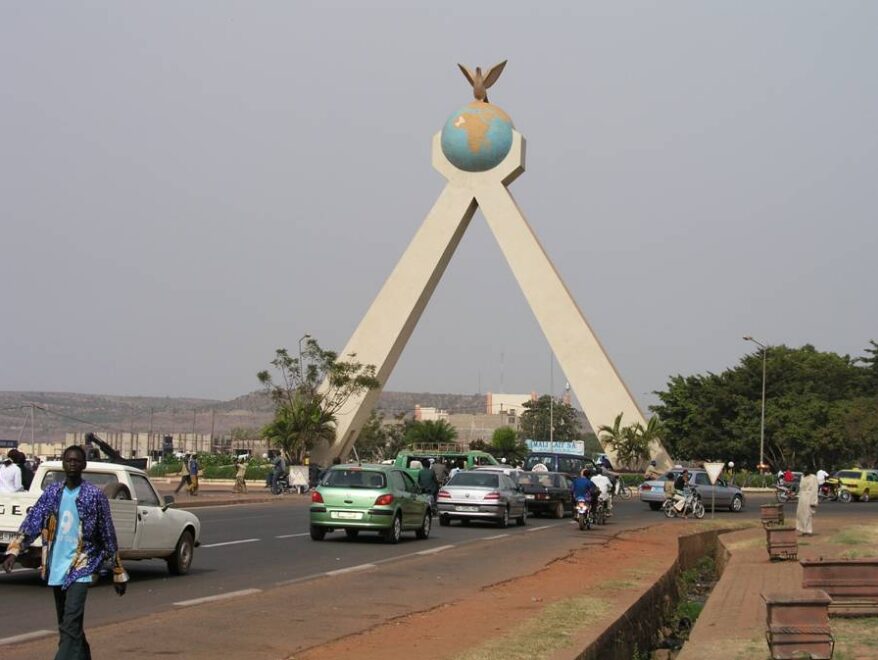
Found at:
(352, 533)
(737, 504)
(655, 506)
(426, 525)
(865, 496)
(317, 533)
(559, 510)
(393, 534)
(444, 521)
(181, 560)
(504, 521)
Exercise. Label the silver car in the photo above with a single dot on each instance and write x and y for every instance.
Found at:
(481, 494)
(653, 491)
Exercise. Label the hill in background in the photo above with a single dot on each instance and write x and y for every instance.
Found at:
(57, 413)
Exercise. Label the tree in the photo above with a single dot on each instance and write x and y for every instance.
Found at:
(378, 440)
(505, 443)
(630, 443)
(537, 415)
(430, 432)
(309, 395)
(810, 397)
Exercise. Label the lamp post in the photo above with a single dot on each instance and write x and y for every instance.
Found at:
(762, 423)
(301, 339)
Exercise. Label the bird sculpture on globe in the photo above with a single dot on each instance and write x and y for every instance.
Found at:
(478, 137)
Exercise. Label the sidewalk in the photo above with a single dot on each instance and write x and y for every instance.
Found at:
(219, 492)
(732, 624)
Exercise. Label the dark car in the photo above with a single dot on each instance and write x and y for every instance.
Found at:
(546, 492)
(569, 464)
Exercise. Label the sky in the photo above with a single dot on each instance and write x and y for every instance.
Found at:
(185, 187)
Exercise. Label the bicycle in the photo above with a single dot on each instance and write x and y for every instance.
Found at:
(623, 490)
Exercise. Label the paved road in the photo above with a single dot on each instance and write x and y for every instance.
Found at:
(260, 546)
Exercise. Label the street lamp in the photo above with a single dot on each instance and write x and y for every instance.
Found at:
(301, 339)
(762, 424)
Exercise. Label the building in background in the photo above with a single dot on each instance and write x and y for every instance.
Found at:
(499, 404)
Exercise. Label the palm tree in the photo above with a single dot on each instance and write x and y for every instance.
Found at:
(299, 425)
(629, 442)
(430, 431)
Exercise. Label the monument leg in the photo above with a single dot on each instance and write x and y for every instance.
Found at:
(393, 315)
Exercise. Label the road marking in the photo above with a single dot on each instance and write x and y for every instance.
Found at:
(536, 529)
(217, 545)
(211, 599)
(291, 536)
(36, 634)
(351, 569)
(496, 536)
(434, 550)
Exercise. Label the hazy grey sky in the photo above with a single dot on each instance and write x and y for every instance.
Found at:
(184, 187)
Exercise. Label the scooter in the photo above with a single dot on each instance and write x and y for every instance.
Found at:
(583, 513)
(691, 505)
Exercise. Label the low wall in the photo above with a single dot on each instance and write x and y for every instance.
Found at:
(637, 627)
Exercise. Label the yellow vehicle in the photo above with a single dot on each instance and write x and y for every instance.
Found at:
(862, 484)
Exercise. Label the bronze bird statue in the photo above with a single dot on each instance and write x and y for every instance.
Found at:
(481, 82)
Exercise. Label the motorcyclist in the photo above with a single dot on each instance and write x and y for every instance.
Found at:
(279, 469)
(583, 487)
(652, 472)
(681, 490)
(605, 490)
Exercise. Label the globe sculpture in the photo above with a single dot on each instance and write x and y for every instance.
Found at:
(477, 137)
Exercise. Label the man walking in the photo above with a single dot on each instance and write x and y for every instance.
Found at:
(807, 504)
(193, 475)
(240, 471)
(73, 519)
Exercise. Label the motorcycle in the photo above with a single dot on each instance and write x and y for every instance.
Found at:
(785, 493)
(583, 513)
(600, 513)
(281, 485)
(692, 505)
(831, 490)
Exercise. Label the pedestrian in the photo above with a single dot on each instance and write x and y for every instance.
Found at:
(240, 471)
(440, 471)
(193, 475)
(10, 475)
(184, 477)
(27, 475)
(73, 520)
(429, 485)
(807, 504)
(278, 470)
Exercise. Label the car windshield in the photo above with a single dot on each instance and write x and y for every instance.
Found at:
(847, 474)
(354, 478)
(538, 460)
(475, 479)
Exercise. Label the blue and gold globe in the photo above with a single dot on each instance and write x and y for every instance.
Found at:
(477, 137)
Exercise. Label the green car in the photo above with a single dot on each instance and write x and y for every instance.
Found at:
(371, 498)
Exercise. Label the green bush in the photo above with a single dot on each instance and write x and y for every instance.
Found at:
(165, 468)
(632, 479)
(254, 472)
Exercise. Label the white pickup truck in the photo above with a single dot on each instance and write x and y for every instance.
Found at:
(146, 528)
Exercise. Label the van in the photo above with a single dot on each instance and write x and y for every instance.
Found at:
(449, 454)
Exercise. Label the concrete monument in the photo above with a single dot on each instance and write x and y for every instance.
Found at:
(480, 153)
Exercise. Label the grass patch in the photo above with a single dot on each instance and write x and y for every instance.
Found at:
(857, 554)
(859, 535)
(754, 542)
(538, 636)
(855, 638)
(619, 584)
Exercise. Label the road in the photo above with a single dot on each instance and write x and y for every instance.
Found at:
(260, 546)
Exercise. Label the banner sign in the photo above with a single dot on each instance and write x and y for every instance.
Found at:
(576, 447)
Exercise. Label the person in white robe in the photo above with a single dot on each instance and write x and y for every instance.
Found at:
(807, 504)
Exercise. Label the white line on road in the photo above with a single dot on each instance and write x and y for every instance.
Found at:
(536, 529)
(211, 599)
(351, 569)
(291, 536)
(496, 536)
(36, 634)
(434, 550)
(216, 545)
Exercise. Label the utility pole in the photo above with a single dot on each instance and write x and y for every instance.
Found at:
(212, 419)
(194, 444)
(32, 428)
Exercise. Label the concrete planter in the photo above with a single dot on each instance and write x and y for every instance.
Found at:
(852, 584)
(781, 542)
(772, 515)
(797, 624)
